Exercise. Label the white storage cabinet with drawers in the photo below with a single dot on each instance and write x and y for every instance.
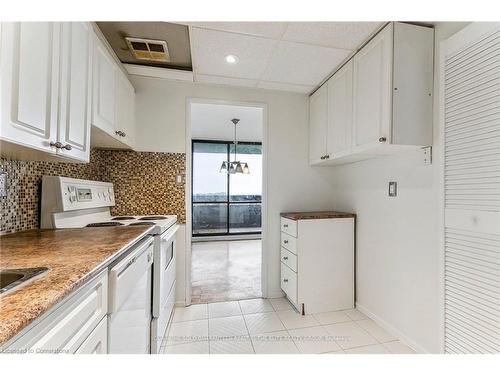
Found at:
(317, 261)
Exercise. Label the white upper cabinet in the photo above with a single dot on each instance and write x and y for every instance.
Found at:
(59, 83)
(339, 133)
(46, 83)
(29, 72)
(372, 92)
(113, 113)
(125, 109)
(76, 90)
(318, 123)
(380, 101)
(104, 92)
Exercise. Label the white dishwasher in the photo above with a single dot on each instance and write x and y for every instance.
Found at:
(130, 301)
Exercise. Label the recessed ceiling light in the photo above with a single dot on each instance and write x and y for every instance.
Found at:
(232, 59)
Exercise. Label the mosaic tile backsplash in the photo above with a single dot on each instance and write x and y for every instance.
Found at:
(145, 183)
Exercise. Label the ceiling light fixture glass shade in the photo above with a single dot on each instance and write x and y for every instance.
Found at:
(233, 167)
(223, 167)
(246, 170)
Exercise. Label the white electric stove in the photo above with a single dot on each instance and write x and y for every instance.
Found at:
(75, 203)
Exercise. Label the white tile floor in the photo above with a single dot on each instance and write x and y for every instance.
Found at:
(272, 327)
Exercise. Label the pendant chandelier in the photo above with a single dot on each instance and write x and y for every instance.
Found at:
(233, 167)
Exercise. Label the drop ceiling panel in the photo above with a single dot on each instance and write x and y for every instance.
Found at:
(272, 30)
(218, 80)
(302, 64)
(285, 87)
(211, 47)
(345, 35)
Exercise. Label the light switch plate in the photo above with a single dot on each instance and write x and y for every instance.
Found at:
(427, 155)
(3, 184)
(393, 188)
(179, 179)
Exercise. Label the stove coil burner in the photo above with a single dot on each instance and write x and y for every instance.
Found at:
(105, 224)
(123, 218)
(153, 218)
(143, 223)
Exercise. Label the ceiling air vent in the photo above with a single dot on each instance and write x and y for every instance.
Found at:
(148, 49)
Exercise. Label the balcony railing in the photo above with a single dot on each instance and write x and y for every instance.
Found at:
(211, 218)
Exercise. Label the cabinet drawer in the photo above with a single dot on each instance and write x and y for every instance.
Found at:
(289, 259)
(289, 226)
(289, 283)
(97, 342)
(289, 242)
(64, 330)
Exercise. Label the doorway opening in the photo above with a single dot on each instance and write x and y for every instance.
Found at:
(226, 180)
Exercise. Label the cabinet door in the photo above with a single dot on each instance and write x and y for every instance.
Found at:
(318, 123)
(104, 89)
(76, 84)
(340, 112)
(97, 341)
(373, 92)
(29, 71)
(125, 109)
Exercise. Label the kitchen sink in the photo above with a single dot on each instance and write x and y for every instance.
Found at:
(12, 278)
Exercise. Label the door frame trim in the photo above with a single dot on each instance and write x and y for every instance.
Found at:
(188, 191)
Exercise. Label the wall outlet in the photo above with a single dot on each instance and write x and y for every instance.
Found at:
(3, 184)
(393, 188)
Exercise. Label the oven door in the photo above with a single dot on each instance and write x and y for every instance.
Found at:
(163, 268)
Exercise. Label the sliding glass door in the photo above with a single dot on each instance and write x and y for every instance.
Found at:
(224, 204)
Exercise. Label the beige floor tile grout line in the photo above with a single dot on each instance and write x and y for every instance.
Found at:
(287, 330)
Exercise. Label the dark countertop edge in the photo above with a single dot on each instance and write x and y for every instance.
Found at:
(75, 289)
(333, 215)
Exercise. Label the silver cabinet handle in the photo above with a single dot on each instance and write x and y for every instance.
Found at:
(382, 139)
(285, 241)
(285, 280)
(285, 258)
(59, 145)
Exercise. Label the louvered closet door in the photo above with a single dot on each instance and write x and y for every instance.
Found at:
(471, 67)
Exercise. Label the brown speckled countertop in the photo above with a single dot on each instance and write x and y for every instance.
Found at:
(316, 215)
(73, 257)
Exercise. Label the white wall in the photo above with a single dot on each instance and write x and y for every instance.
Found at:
(213, 121)
(397, 238)
(292, 184)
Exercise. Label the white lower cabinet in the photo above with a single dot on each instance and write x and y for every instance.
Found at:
(67, 328)
(97, 342)
(317, 275)
(289, 283)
